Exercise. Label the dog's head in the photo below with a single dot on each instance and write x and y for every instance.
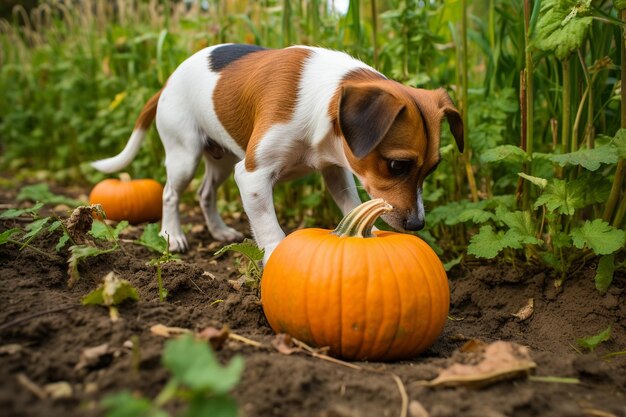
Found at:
(392, 135)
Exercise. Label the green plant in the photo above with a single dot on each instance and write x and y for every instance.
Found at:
(592, 342)
(198, 381)
(151, 239)
(250, 268)
(110, 293)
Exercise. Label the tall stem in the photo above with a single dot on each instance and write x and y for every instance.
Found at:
(375, 32)
(467, 156)
(529, 100)
(616, 188)
(566, 131)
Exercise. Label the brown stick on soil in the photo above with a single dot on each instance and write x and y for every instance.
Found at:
(35, 315)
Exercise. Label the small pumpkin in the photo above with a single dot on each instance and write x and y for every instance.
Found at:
(367, 296)
(125, 199)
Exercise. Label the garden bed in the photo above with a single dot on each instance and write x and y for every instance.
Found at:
(40, 349)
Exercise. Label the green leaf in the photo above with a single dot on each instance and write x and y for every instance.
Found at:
(453, 262)
(78, 254)
(562, 26)
(112, 291)
(590, 159)
(599, 236)
(561, 196)
(218, 406)
(592, 342)
(477, 216)
(620, 141)
(522, 224)
(125, 404)
(6, 235)
(504, 152)
(619, 4)
(248, 248)
(486, 244)
(539, 182)
(35, 228)
(62, 241)
(101, 230)
(13, 213)
(151, 239)
(41, 193)
(604, 273)
(194, 364)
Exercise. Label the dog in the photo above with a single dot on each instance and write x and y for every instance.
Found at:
(277, 114)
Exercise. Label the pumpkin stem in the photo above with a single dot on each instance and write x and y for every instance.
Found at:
(125, 177)
(359, 222)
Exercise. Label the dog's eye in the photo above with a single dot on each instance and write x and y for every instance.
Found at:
(399, 166)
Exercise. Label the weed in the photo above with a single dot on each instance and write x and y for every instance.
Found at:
(198, 381)
(155, 242)
(250, 269)
(110, 293)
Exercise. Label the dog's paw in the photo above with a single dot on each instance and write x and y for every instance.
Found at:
(226, 234)
(178, 243)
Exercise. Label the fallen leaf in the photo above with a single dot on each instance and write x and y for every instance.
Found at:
(167, 331)
(526, 311)
(10, 349)
(79, 222)
(91, 356)
(57, 390)
(208, 274)
(216, 337)
(473, 345)
(499, 361)
(284, 344)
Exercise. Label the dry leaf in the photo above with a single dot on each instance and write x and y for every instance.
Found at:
(216, 337)
(79, 222)
(167, 331)
(499, 361)
(473, 345)
(284, 344)
(91, 356)
(526, 311)
(58, 390)
(208, 274)
(10, 349)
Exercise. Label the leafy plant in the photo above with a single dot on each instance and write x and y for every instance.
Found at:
(250, 268)
(110, 293)
(592, 342)
(198, 381)
(151, 239)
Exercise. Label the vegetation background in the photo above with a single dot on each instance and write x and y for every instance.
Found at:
(538, 83)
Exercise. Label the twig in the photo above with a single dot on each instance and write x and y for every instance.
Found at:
(594, 412)
(405, 398)
(315, 354)
(196, 285)
(245, 340)
(35, 315)
(33, 388)
(554, 379)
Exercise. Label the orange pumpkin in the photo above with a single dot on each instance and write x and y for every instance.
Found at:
(380, 296)
(124, 199)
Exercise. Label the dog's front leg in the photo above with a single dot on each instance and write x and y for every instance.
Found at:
(340, 183)
(256, 188)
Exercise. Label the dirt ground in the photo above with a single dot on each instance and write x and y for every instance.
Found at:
(46, 348)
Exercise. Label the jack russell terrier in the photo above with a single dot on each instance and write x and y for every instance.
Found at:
(277, 114)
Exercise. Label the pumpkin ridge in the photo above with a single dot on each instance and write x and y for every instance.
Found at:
(381, 326)
(312, 258)
(399, 297)
(364, 331)
(431, 315)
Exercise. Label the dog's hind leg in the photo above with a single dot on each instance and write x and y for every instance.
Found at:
(216, 170)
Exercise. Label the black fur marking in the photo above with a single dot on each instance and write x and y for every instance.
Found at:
(222, 56)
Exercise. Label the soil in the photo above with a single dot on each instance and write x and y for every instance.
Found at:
(46, 348)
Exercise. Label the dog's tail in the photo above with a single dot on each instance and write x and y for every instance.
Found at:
(119, 161)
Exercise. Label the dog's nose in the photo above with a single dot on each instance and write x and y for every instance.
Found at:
(414, 223)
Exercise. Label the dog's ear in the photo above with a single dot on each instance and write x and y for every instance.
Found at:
(365, 115)
(435, 105)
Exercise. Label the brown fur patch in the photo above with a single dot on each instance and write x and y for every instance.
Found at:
(256, 92)
(147, 114)
(406, 140)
